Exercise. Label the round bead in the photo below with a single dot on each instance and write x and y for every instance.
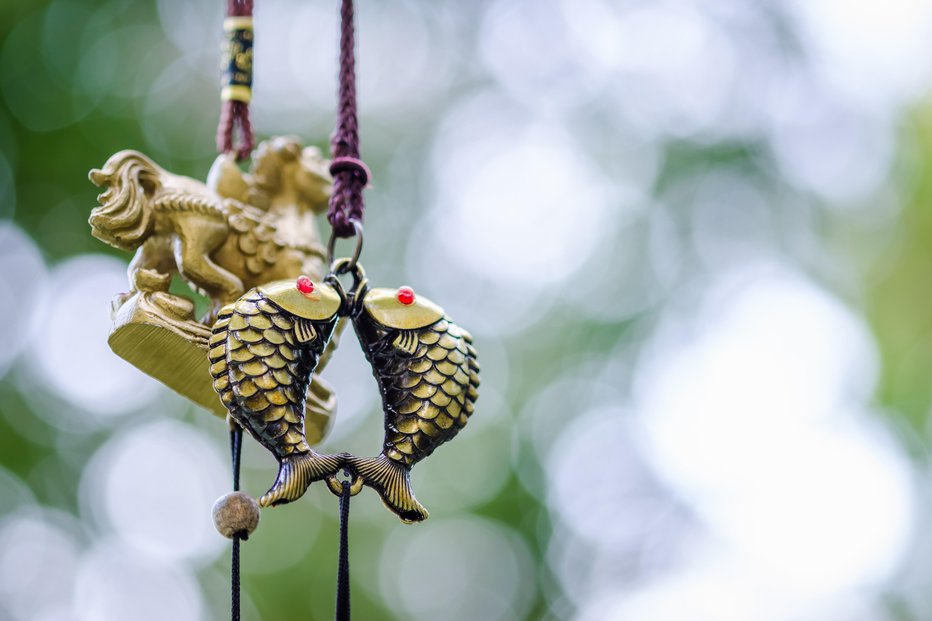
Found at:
(304, 284)
(405, 295)
(235, 513)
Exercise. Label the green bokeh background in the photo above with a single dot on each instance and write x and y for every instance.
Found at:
(75, 79)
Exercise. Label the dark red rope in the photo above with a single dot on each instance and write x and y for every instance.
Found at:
(350, 175)
(235, 113)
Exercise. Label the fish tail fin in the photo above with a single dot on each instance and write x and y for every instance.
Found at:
(393, 483)
(295, 474)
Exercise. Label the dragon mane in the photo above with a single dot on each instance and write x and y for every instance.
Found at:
(124, 218)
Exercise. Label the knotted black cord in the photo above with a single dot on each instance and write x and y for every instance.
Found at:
(236, 446)
(343, 584)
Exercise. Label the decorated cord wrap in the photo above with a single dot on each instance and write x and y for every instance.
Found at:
(350, 174)
(236, 82)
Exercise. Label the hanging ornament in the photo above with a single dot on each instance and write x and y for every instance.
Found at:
(264, 349)
(428, 375)
(223, 237)
(277, 304)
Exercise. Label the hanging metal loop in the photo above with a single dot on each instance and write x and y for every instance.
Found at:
(358, 288)
(357, 249)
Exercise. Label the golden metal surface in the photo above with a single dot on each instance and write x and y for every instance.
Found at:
(321, 303)
(383, 306)
(238, 22)
(235, 232)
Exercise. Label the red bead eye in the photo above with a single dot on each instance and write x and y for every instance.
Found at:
(405, 295)
(305, 285)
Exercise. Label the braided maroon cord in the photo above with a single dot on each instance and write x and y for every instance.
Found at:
(236, 113)
(350, 175)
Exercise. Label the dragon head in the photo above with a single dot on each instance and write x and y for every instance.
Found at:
(124, 217)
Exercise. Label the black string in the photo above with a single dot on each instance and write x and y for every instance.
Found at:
(343, 584)
(236, 446)
(234, 581)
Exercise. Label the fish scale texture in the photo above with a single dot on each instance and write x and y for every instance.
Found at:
(429, 379)
(259, 369)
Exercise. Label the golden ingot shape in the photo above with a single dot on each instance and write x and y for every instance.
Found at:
(237, 231)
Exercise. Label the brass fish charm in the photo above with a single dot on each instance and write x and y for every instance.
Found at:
(263, 350)
(428, 375)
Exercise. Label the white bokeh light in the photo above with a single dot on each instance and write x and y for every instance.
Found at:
(753, 410)
(37, 565)
(525, 45)
(714, 586)
(825, 145)
(114, 582)
(69, 350)
(457, 570)
(596, 466)
(526, 204)
(22, 278)
(672, 68)
(154, 486)
(878, 51)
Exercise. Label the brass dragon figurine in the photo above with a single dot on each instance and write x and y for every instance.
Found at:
(222, 238)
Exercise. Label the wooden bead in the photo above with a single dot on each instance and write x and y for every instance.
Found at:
(235, 513)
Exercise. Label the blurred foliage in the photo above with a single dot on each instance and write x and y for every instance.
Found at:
(899, 296)
(54, 127)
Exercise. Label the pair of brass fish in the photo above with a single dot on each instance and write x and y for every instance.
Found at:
(265, 346)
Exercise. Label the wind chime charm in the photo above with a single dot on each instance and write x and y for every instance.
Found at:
(264, 349)
(428, 376)
(249, 243)
(222, 238)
